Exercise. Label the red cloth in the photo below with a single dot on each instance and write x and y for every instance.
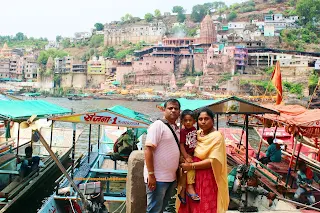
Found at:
(309, 173)
(206, 187)
(277, 82)
(189, 138)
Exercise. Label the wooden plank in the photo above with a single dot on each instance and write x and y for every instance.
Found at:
(9, 172)
(114, 199)
(7, 157)
(109, 171)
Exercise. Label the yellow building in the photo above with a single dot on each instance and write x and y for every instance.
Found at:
(96, 66)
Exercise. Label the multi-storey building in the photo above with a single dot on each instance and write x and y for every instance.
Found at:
(4, 67)
(241, 58)
(96, 66)
(5, 52)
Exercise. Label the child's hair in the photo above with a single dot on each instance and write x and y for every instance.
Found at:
(187, 112)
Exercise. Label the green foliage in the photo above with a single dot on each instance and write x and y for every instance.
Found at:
(58, 38)
(192, 32)
(297, 38)
(109, 53)
(123, 53)
(247, 9)
(266, 85)
(270, 12)
(269, 70)
(65, 43)
(20, 36)
(308, 10)
(313, 80)
(293, 88)
(292, 3)
(220, 19)
(235, 6)
(157, 13)
(178, 9)
(96, 41)
(99, 26)
(21, 40)
(127, 18)
(181, 17)
(44, 55)
(148, 17)
(225, 77)
(232, 16)
(198, 12)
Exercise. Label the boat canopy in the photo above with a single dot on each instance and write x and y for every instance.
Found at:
(232, 105)
(23, 110)
(115, 116)
(296, 119)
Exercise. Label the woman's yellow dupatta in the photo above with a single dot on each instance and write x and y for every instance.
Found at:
(212, 146)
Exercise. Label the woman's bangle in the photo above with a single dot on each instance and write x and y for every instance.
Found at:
(193, 166)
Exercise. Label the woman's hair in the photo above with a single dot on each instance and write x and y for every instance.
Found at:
(208, 111)
(187, 112)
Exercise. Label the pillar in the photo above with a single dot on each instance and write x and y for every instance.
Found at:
(135, 187)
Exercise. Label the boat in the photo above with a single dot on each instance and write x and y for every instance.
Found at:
(236, 120)
(75, 98)
(97, 166)
(23, 113)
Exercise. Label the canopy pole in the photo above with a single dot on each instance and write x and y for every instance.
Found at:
(297, 160)
(247, 153)
(18, 139)
(51, 134)
(291, 160)
(99, 139)
(89, 143)
(244, 126)
(260, 144)
(217, 122)
(74, 126)
(63, 170)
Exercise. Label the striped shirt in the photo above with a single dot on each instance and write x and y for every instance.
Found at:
(166, 153)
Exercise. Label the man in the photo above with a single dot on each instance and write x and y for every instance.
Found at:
(162, 159)
(29, 163)
(305, 178)
(239, 180)
(273, 153)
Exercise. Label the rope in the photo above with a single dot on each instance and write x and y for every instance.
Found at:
(122, 204)
(310, 205)
(314, 92)
(71, 206)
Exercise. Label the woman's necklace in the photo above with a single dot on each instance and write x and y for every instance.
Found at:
(202, 133)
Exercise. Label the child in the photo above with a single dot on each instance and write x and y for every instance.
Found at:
(188, 142)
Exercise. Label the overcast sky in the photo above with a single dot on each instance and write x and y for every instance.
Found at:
(42, 18)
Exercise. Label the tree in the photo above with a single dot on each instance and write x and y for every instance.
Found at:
(219, 6)
(109, 53)
(99, 26)
(96, 41)
(178, 9)
(308, 10)
(58, 38)
(181, 17)
(198, 13)
(19, 36)
(127, 17)
(157, 13)
(208, 6)
(44, 55)
(232, 16)
(148, 17)
(65, 43)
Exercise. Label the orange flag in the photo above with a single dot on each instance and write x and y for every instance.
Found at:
(277, 82)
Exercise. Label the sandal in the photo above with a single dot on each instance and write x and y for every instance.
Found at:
(182, 200)
(194, 197)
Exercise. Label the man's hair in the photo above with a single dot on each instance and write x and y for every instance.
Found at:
(28, 149)
(301, 164)
(172, 100)
(270, 140)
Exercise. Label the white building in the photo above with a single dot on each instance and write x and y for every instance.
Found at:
(237, 25)
(52, 45)
(317, 65)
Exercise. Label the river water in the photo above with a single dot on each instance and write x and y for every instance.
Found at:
(148, 108)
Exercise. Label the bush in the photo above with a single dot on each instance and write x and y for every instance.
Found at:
(247, 9)
(232, 16)
(96, 41)
(293, 88)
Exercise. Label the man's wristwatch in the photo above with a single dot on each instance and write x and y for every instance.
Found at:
(150, 173)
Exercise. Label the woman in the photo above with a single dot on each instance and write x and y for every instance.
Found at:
(210, 164)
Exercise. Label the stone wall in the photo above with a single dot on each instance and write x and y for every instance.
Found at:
(199, 59)
(76, 80)
(136, 189)
(95, 80)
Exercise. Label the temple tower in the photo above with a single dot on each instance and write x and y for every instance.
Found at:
(208, 34)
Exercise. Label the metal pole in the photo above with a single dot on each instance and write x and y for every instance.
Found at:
(18, 139)
(98, 138)
(63, 170)
(73, 148)
(89, 143)
(217, 122)
(260, 145)
(297, 203)
(291, 160)
(247, 153)
(51, 134)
